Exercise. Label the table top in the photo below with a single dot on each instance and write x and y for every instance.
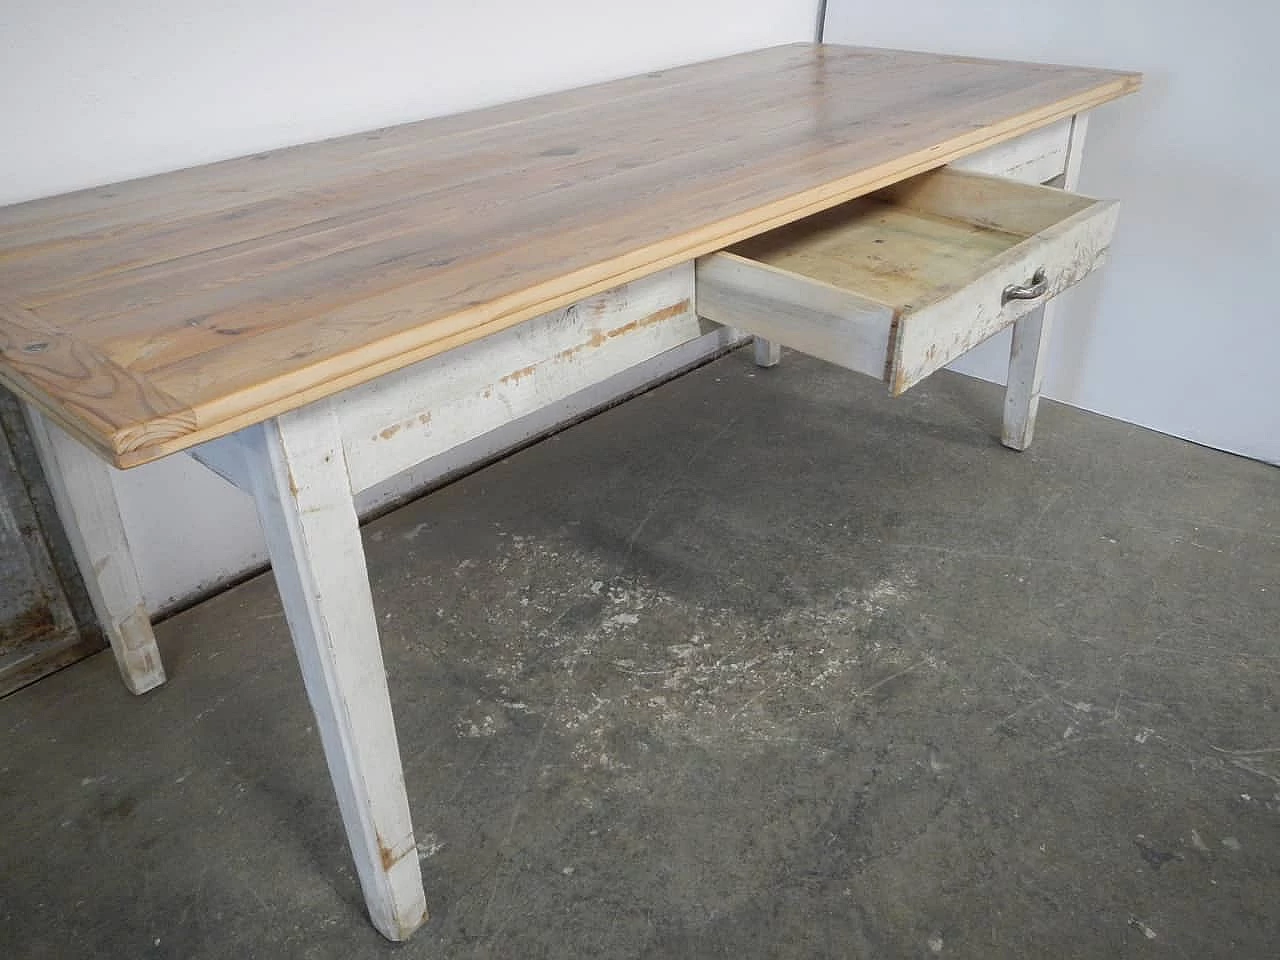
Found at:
(152, 315)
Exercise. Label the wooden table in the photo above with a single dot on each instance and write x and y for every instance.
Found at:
(311, 321)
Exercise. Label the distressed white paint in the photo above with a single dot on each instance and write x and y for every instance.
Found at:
(816, 318)
(431, 411)
(300, 484)
(85, 499)
(1177, 333)
(95, 92)
(400, 420)
(546, 419)
(1028, 355)
(1032, 334)
(1034, 157)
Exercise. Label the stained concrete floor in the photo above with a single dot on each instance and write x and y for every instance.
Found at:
(760, 664)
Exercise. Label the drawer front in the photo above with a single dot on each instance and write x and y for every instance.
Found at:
(901, 283)
(928, 339)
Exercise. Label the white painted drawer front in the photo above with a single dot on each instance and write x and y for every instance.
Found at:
(901, 282)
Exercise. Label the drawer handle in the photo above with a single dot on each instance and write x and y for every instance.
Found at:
(1038, 287)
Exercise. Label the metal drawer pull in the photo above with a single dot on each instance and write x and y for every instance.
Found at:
(1038, 287)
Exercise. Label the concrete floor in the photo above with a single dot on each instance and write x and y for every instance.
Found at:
(761, 664)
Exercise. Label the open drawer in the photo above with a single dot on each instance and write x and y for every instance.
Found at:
(901, 282)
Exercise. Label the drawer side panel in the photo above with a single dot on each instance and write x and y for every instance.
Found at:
(795, 311)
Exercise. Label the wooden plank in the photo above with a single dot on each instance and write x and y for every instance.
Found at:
(339, 163)
(86, 502)
(299, 479)
(83, 390)
(376, 202)
(808, 315)
(214, 298)
(1032, 333)
(407, 417)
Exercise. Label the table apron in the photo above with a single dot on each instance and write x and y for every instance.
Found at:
(393, 424)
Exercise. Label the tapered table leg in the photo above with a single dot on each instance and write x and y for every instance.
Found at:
(299, 480)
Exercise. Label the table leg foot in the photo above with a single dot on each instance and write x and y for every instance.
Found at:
(80, 482)
(768, 353)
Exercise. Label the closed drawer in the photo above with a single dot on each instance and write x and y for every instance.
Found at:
(901, 282)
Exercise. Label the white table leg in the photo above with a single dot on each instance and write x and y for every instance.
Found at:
(1031, 337)
(1032, 333)
(298, 472)
(80, 482)
(768, 353)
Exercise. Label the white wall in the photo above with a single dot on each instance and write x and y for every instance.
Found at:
(1181, 331)
(92, 92)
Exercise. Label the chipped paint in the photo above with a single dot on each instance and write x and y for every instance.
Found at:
(385, 854)
(389, 432)
(138, 657)
(389, 855)
(666, 313)
(516, 376)
(598, 338)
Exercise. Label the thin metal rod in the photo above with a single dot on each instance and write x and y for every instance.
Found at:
(822, 20)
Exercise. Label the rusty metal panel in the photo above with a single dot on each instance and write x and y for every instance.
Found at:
(38, 629)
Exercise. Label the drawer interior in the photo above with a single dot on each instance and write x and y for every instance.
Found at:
(913, 244)
(899, 283)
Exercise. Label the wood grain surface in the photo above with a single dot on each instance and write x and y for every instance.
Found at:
(152, 315)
